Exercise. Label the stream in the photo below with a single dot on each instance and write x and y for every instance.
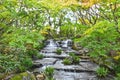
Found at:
(85, 70)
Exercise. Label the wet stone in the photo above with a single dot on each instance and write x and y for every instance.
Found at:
(46, 61)
(51, 46)
(37, 70)
(54, 55)
(48, 50)
(62, 75)
(71, 51)
(84, 60)
(85, 70)
(41, 69)
(89, 65)
(36, 64)
(83, 66)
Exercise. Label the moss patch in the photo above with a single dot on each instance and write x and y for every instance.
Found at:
(26, 75)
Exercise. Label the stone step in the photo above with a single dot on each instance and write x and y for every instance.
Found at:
(45, 61)
(47, 51)
(62, 75)
(84, 60)
(54, 55)
(81, 67)
(62, 56)
(50, 61)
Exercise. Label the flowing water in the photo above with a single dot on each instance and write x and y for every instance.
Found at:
(85, 70)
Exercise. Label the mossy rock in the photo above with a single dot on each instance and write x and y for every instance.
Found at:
(24, 76)
(74, 47)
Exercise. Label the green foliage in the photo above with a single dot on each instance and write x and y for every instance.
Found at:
(18, 37)
(32, 52)
(39, 56)
(72, 30)
(22, 21)
(58, 51)
(27, 62)
(102, 72)
(21, 68)
(19, 34)
(117, 77)
(40, 46)
(67, 30)
(49, 71)
(8, 63)
(75, 59)
(50, 78)
(67, 61)
(116, 66)
(21, 16)
(21, 75)
(15, 61)
(99, 40)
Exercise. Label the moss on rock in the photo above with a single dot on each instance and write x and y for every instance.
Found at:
(24, 76)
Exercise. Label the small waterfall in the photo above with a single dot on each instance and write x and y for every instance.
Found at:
(66, 43)
(50, 47)
(51, 44)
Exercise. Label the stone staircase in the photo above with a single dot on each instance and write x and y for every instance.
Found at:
(85, 70)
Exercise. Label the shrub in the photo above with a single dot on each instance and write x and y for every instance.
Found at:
(27, 62)
(102, 72)
(58, 51)
(41, 46)
(32, 52)
(8, 63)
(67, 61)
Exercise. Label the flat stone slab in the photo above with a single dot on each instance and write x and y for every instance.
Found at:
(62, 75)
(41, 69)
(71, 50)
(37, 65)
(84, 60)
(82, 67)
(46, 61)
(48, 50)
(89, 65)
(54, 55)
